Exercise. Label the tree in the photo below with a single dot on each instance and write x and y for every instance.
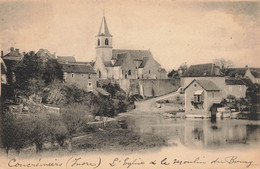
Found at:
(52, 71)
(39, 131)
(183, 67)
(173, 74)
(223, 64)
(72, 119)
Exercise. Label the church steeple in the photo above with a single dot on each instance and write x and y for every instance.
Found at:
(103, 30)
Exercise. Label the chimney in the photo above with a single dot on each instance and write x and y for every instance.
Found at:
(11, 49)
(17, 50)
(2, 54)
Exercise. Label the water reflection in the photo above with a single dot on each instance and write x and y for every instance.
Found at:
(199, 133)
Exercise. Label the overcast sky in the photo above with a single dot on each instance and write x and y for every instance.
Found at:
(174, 31)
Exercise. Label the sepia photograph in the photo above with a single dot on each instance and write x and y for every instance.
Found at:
(138, 84)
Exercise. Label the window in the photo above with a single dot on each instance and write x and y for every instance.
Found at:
(89, 76)
(98, 42)
(149, 71)
(197, 98)
(99, 74)
(125, 76)
(129, 72)
(106, 42)
(90, 84)
(72, 75)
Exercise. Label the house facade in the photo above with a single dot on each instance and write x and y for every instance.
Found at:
(235, 87)
(200, 95)
(83, 76)
(123, 64)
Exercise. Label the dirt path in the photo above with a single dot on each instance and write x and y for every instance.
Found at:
(149, 106)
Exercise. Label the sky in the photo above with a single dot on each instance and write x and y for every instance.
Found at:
(175, 31)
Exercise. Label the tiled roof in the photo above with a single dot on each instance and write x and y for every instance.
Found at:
(76, 68)
(120, 59)
(234, 82)
(85, 63)
(232, 72)
(255, 72)
(145, 60)
(205, 84)
(64, 59)
(247, 82)
(208, 85)
(202, 70)
(135, 54)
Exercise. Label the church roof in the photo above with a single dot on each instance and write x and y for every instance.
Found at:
(120, 59)
(103, 30)
(135, 54)
(145, 60)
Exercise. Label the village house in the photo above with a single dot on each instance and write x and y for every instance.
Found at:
(123, 64)
(247, 72)
(213, 88)
(81, 75)
(200, 95)
(236, 87)
(13, 56)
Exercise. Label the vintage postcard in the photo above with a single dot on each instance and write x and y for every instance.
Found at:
(130, 84)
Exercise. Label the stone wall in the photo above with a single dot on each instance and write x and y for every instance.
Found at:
(145, 87)
(153, 87)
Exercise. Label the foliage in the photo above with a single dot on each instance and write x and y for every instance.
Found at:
(173, 74)
(31, 74)
(183, 67)
(112, 89)
(223, 64)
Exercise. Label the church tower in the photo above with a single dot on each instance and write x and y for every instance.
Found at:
(103, 50)
(104, 42)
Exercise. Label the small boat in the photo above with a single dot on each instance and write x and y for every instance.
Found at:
(197, 116)
(234, 115)
(223, 112)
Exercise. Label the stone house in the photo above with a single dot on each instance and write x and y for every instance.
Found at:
(247, 72)
(81, 75)
(13, 56)
(229, 86)
(200, 95)
(123, 64)
(236, 87)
